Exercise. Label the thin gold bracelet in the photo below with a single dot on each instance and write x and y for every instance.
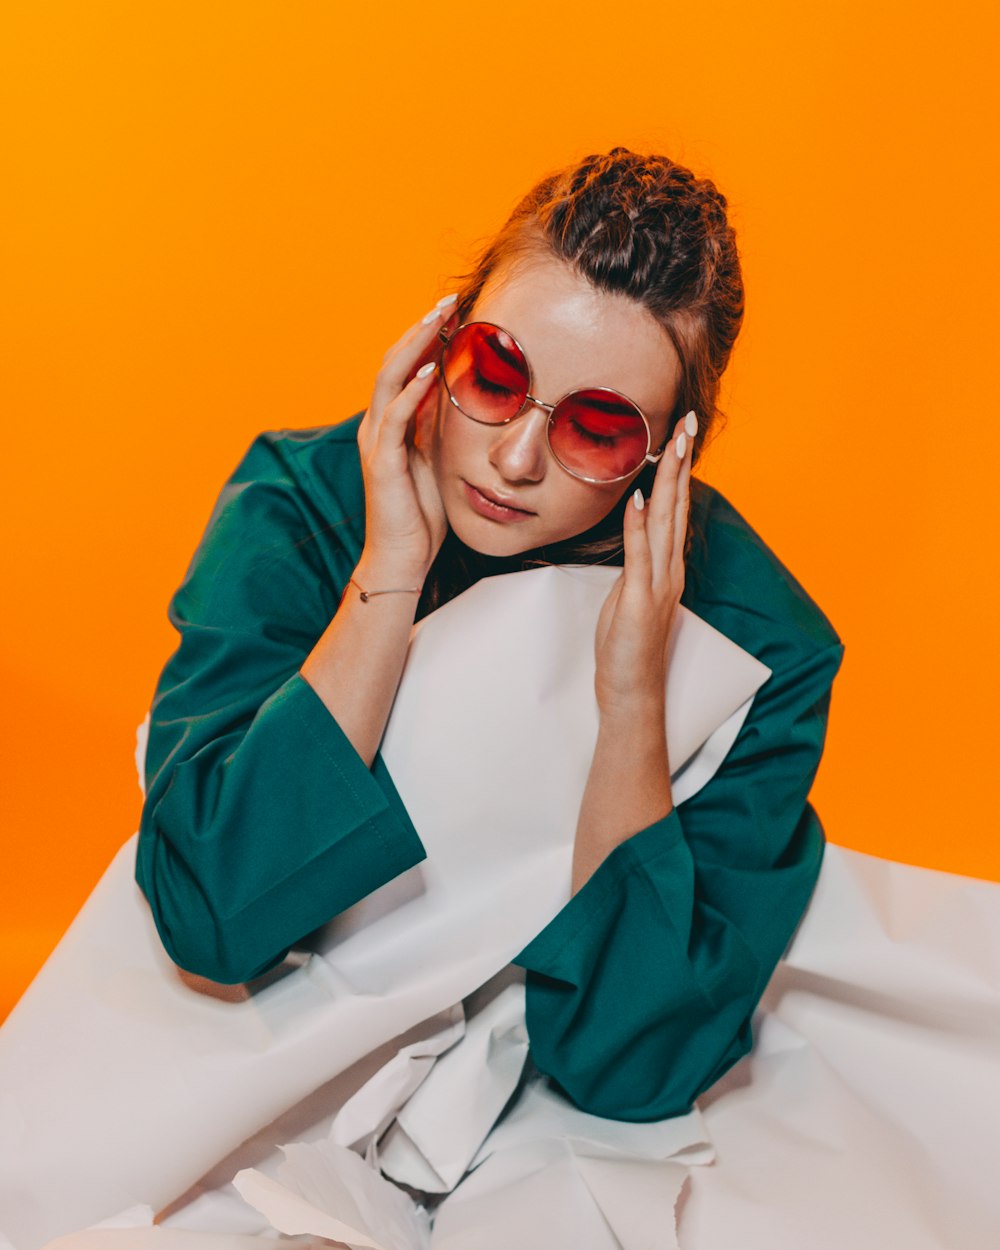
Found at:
(367, 594)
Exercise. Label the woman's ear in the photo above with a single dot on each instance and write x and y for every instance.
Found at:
(644, 480)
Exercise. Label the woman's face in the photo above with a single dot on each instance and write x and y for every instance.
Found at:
(574, 336)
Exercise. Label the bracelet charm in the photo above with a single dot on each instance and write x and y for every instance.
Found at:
(367, 594)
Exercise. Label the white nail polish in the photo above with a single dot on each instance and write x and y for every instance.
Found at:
(431, 316)
(682, 444)
(424, 370)
(638, 500)
(445, 300)
(691, 423)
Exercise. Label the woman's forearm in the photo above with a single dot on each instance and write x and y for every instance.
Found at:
(356, 665)
(628, 787)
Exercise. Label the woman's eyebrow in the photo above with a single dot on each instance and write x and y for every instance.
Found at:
(610, 405)
(498, 349)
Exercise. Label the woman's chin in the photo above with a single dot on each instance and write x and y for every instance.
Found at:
(489, 538)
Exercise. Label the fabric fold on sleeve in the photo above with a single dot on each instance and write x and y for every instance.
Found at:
(640, 992)
(261, 821)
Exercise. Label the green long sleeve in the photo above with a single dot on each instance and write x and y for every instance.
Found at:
(261, 821)
(641, 990)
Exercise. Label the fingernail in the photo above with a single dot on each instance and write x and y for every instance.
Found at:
(445, 300)
(691, 423)
(432, 316)
(638, 499)
(424, 370)
(682, 445)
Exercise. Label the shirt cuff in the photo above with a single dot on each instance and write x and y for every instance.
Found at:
(376, 801)
(298, 831)
(571, 942)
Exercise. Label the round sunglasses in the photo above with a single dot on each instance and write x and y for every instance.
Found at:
(597, 434)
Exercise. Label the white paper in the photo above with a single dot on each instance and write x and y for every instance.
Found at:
(372, 1213)
(124, 1081)
(541, 1113)
(553, 1194)
(630, 1174)
(436, 1135)
(561, 1194)
(171, 1239)
(512, 737)
(868, 1113)
(370, 1111)
(135, 1217)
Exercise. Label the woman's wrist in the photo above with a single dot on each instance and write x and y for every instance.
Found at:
(375, 573)
(641, 712)
(356, 665)
(632, 745)
(628, 787)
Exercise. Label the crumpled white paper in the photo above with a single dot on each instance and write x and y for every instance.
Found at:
(561, 1194)
(626, 1175)
(542, 1113)
(373, 1214)
(125, 1081)
(367, 1113)
(172, 1239)
(553, 1193)
(134, 1230)
(436, 1134)
(868, 1113)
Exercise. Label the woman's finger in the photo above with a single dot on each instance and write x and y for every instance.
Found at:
(663, 497)
(395, 423)
(607, 614)
(399, 360)
(638, 568)
(683, 501)
(418, 329)
(662, 507)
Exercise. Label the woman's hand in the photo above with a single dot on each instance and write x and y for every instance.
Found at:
(405, 521)
(633, 630)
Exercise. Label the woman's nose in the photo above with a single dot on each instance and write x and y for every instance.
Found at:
(520, 451)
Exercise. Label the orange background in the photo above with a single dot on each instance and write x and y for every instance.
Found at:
(217, 218)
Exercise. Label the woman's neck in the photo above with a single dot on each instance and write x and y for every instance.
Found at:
(458, 566)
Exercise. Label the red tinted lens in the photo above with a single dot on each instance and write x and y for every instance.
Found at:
(485, 372)
(598, 434)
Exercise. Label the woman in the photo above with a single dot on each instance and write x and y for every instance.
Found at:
(614, 289)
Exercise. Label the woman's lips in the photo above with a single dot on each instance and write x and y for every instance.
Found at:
(495, 511)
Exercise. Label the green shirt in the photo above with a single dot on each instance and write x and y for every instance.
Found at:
(261, 821)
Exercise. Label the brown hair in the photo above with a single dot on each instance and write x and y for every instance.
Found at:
(641, 226)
